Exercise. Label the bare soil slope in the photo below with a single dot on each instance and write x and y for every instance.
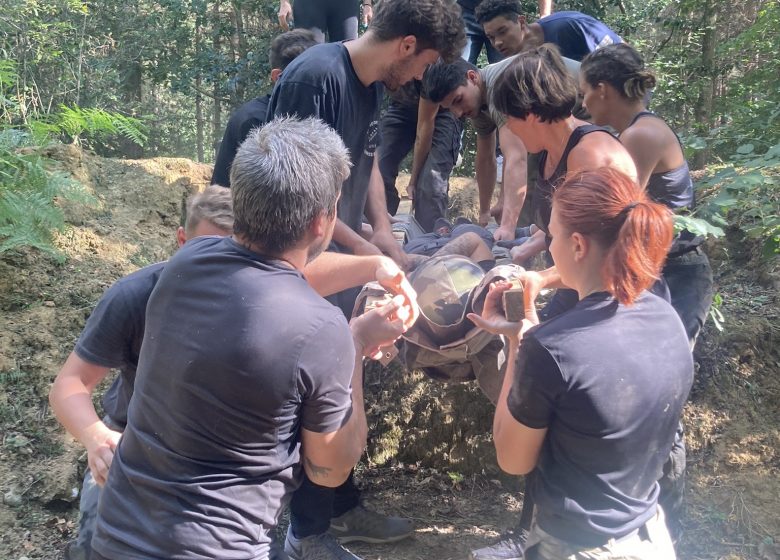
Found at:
(430, 456)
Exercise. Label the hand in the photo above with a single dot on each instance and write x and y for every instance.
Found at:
(484, 219)
(285, 13)
(493, 319)
(100, 452)
(392, 279)
(532, 282)
(368, 14)
(504, 233)
(386, 243)
(379, 327)
(410, 190)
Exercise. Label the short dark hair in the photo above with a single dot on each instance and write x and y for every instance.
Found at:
(536, 82)
(284, 175)
(441, 79)
(620, 66)
(491, 9)
(436, 24)
(287, 46)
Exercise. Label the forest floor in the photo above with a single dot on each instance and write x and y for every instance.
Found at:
(430, 457)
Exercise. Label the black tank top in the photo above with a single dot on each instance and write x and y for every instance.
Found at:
(545, 186)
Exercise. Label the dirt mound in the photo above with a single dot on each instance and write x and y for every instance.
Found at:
(430, 456)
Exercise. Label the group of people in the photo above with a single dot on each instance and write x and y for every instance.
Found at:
(240, 387)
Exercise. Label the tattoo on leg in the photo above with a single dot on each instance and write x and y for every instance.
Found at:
(462, 245)
(317, 470)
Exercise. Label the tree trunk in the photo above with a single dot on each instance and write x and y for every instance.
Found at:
(198, 100)
(216, 122)
(704, 104)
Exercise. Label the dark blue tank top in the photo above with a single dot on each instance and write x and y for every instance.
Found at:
(674, 189)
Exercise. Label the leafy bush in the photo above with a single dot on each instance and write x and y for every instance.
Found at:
(29, 214)
(745, 194)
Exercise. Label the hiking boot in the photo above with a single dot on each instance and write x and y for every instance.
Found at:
(510, 547)
(361, 524)
(316, 547)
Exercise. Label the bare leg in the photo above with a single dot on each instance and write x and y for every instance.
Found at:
(467, 245)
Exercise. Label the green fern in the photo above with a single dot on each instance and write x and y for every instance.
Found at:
(29, 214)
(77, 121)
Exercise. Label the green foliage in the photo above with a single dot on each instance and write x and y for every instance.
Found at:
(76, 122)
(29, 213)
(745, 194)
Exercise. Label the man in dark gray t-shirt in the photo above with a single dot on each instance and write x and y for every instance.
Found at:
(246, 376)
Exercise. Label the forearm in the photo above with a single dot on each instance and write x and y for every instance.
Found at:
(331, 272)
(502, 410)
(422, 147)
(545, 8)
(515, 186)
(486, 178)
(376, 203)
(71, 402)
(346, 237)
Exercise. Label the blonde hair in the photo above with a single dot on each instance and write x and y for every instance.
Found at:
(214, 204)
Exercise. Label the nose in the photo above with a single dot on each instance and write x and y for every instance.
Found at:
(457, 112)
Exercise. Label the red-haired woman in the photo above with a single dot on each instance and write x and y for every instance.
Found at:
(615, 84)
(592, 397)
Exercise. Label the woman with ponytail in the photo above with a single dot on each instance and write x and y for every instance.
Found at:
(592, 398)
(616, 84)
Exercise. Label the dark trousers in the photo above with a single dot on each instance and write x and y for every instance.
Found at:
(399, 129)
(312, 506)
(689, 277)
(337, 18)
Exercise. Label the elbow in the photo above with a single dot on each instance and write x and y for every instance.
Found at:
(510, 464)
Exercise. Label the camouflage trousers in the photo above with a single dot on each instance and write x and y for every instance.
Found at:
(650, 542)
(81, 548)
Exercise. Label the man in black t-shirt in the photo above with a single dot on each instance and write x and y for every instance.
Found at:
(222, 420)
(252, 114)
(342, 84)
(112, 339)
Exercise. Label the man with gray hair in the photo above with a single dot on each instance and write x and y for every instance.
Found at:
(245, 374)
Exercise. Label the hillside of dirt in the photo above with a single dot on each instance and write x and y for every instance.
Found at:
(430, 455)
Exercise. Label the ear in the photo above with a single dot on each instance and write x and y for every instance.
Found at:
(472, 76)
(408, 45)
(181, 236)
(601, 90)
(580, 246)
(522, 21)
(319, 225)
(275, 73)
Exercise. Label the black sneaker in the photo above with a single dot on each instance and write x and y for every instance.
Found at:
(510, 547)
(316, 547)
(361, 524)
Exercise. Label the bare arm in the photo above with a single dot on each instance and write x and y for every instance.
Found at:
(376, 212)
(331, 273)
(600, 150)
(71, 400)
(346, 237)
(545, 8)
(426, 123)
(645, 148)
(285, 12)
(486, 174)
(329, 457)
(515, 181)
(517, 445)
